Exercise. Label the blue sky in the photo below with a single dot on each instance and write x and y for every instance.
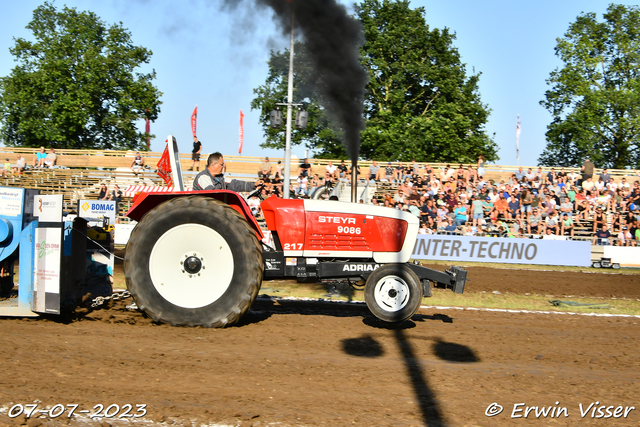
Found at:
(215, 59)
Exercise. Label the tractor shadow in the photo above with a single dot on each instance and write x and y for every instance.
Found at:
(367, 346)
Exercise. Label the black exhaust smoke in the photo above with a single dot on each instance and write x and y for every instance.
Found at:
(333, 40)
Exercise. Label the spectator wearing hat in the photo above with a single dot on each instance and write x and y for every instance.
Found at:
(7, 168)
(625, 238)
(265, 169)
(388, 172)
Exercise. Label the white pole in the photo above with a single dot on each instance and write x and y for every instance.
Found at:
(287, 152)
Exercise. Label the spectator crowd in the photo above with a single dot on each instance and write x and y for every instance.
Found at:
(460, 200)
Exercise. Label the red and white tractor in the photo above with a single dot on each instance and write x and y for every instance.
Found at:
(196, 257)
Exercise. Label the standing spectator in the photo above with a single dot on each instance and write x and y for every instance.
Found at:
(477, 211)
(195, 154)
(38, 161)
(305, 167)
(137, 163)
(525, 203)
(373, 171)
(481, 165)
(116, 195)
(265, 169)
(587, 169)
(51, 159)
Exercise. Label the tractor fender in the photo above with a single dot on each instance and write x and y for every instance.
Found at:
(145, 202)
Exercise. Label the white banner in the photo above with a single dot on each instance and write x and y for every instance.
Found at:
(502, 250)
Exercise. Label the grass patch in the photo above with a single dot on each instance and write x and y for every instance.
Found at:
(507, 301)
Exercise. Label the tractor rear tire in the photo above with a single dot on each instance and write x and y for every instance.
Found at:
(393, 293)
(194, 261)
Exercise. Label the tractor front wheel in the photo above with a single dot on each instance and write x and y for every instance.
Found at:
(194, 261)
(393, 293)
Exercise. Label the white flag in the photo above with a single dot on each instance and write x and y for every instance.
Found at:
(518, 138)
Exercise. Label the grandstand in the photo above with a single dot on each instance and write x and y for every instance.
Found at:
(78, 173)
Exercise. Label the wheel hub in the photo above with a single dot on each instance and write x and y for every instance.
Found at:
(192, 265)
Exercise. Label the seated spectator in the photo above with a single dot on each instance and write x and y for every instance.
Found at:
(21, 164)
(625, 238)
(137, 164)
(567, 225)
(552, 223)
(534, 225)
(265, 169)
(588, 184)
(599, 219)
(602, 236)
(450, 228)
(330, 173)
(501, 207)
(389, 172)
(304, 168)
(38, 161)
(398, 172)
(50, 160)
(103, 193)
(461, 214)
(303, 183)
(373, 171)
(342, 170)
(566, 207)
(6, 171)
(520, 174)
(254, 205)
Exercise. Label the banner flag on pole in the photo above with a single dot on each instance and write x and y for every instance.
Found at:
(241, 132)
(518, 129)
(164, 166)
(147, 130)
(194, 120)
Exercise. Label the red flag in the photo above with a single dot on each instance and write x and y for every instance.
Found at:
(194, 120)
(241, 132)
(164, 167)
(147, 130)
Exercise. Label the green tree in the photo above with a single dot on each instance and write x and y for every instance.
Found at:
(75, 86)
(595, 96)
(419, 102)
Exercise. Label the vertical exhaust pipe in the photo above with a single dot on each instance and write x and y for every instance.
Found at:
(354, 181)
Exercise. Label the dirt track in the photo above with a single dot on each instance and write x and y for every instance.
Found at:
(295, 363)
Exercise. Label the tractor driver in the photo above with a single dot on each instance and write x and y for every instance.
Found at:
(212, 178)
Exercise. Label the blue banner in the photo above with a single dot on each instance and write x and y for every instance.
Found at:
(502, 250)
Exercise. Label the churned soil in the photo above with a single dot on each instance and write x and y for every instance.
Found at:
(298, 363)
